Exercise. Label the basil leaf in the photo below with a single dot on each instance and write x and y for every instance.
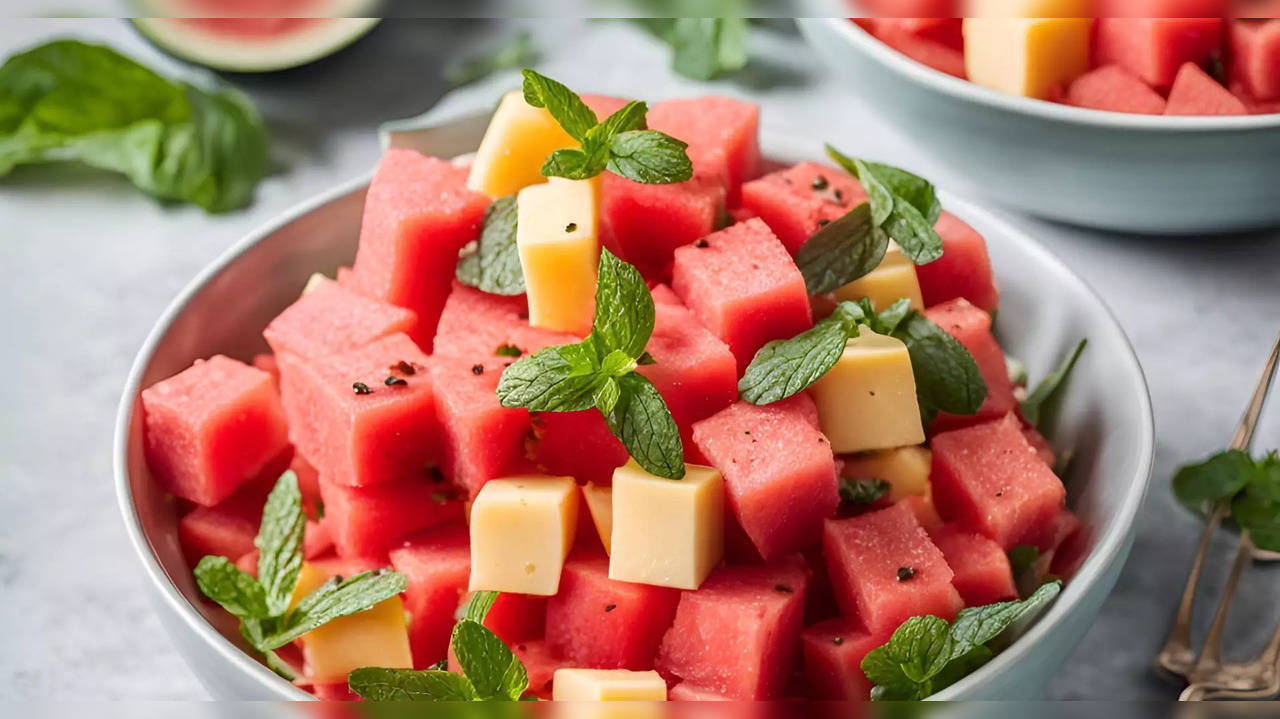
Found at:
(650, 157)
(279, 543)
(494, 266)
(396, 685)
(232, 588)
(1217, 478)
(336, 599)
(947, 377)
(555, 379)
(783, 368)
(863, 491)
(515, 52)
(479, 605)
(564, 104)
(705, 47)
(841, 251)
(643, 422)
(624, 308)
(494, 671)
(1049, 386)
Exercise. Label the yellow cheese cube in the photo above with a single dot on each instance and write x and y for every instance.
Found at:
(868, 400)
(607, 685)
(521, 530)
(556, 235)
(893, 280)
(515, 145)
(315, 280)
(666, 532)
(1026, 56)
(1028, 8)
(906, 469)
(600, 504)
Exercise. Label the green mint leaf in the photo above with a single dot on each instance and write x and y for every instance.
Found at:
(643, 422)
(397, 685)
(630, 117)
(572, 164)
(650, 157)
(980, 626)
(1260, 516)
(494, 265)
(1217, 478)
(890, 181)
(947, 378)
(555, 379)
(1022, 558)
(1048, 387)
(624, 308)
(514, 53)
(921, 648)
(231, 587)
(279, 543)
(607, 396)
(878, 196)
(705, 47)
(279, 666)
(253, 631)
(783, 368)
(913, 233)
(564, 104)
(886, 322)
(841, 251)
(336, 599)
(961, 667)
(479, 605)
(494, 671)
(891, 683)
(863, 491)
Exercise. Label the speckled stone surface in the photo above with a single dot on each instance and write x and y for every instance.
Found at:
(87, 265)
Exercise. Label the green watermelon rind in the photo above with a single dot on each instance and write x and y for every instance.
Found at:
(225, 54)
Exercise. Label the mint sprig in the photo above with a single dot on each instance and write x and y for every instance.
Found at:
(862, 491)
(599, 372)
(622, 143)
(1049, 386)
(493, 266)
(262, 603)
(703, 48)
(927, 654)
(1250, 487)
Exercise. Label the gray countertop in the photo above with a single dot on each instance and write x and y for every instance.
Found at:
(87, 265)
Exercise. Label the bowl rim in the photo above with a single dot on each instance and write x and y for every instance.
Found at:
(958, 88)
(1108, 546)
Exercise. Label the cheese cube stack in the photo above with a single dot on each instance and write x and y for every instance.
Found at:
(600, 504)
(906, 469)
(377, 637)
(556, 235)
(1026, 56)
(893, 280)
(666, 532)
(519, 138)
(521, 530)
(868, 400)
(607, 685)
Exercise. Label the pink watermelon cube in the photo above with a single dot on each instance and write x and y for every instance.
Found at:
(1195, 93)
(884, 569)
(331, 318)
(981, 567)
(482, 439)
(663, 295)
(964, 270)
(364, 416)
(833, 652)
(541, 664)
(334, 692)
(990, 480)
(738, 635)
(1070, 555)
(1065, 525)
(476, 324)
(1044, 450)
(686, 692)
(972, 328)
(798, 200)
(417, 216)
(1115, 89)
(369, 521)
(437, 564)
(600, 623)
(1153, 48)
(646, 223)
(939, 55)
(1256, 106)
(779, 473)
(1254, 49)
(211, 428)
(517, 617)
(226, 530)
(744, 287)
(578, 445)
(308, 483)
(723, 136)
(267, 363)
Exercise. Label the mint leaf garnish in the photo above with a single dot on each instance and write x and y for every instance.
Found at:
(1257, 510)
(650, 157)
(478, 606)
(336, 599)
(904, 205)
(703, 48)
(236, 590)
(554, 379)
(625, 314)
(947, 377)
(279, 541)
(842, 251)
(1049, 386)
(493, 669)
(377, 684)
(641, 419)
(564, 104)
(1249, 488)
(783, 368)
(1217, 478)
(494, 265)
(515, 52)
(1022, 558)
(863, 491)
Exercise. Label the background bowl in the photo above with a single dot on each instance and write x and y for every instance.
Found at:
(1139, 173)
(1105, 416)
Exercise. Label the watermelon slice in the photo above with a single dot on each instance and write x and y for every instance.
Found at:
(646, 223)
(418, 214)
(1255, 57)
(687, 692)
(331, 318)
(723, 136)
(964, 270)
(981, 567)
(211, 428)
(369, 521)
(779, 474)
(833, 652)
(739, 633)
(972, 328)
(1065, 525)
(1115, 89)
(796, 201)
(744, 287)
(990, 480)
(1195, 93)
(1256, 106)
(1153, 48)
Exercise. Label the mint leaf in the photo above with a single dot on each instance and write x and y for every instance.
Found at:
(571, 163)
(887, 322)
(650, 157)
(279, 543)
(494, 265)
(947, 377)
(336, 599)
(1049, 386)
(913, 233)
(479, 605)
(783, 368)
(629, 117)
(904, 205)
(564, 104)
(398, 685)
(979, 626)
(1217, 478)
(704, 47)
(494, 671)
(915, 190)
(625, 313)
(1022, 558)
(231, 587)
(1260, 516)
(555, 379)
(515, 52)
(863, 491)
(643, 422)
(841, 251)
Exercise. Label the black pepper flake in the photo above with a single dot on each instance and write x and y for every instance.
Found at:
(405, 368)
(702, 243)
(1000, 493)
(477, 369)
(610, 607)
(361, 388)
(823, 222)
(820, 183)
(837, 640)
(572, 226)
(783, 589)
(905, 574)
(395, 382)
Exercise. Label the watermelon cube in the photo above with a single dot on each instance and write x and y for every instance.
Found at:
(596, 622)
(1256, 106)
(796, 201)
(1115, 89)
(990, 480)
(738, 634)
(884, 569)
(364, 416)
(226, 530)
(972, 328)
(517, 617)
(833, 652)
(308, 484)
(744, 287)
(417, 216)
(1195, 93)
(981, 567)
(267, 363)
(646, 223)
(1065, 525)
(437, 564)
(723, 136)
(369, 521)
(1044, 450)
(941, 55)
(578, 445)
(1153, 48)
(1255, 57)
(317, 539)
(686, 692)
(964, 270)
(541, 664)
(1071, 553)
(211, 428)
(331, 318)
(779, 473)
(663, 295)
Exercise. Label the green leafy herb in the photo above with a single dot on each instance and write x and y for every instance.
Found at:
(903, 204)
(863, 491)
(783, 368)
(1022, 558)
(494, 265)
(516, 52)
(842, 251)
(599, 372)
(262, 604)
(1251, 488)
(1049, 386)
(705, 47)
(70, 100)
(398, 685)
(926, 654)
(947, 377)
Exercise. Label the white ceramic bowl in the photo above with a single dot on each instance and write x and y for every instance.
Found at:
(1110, 170)
(1105, 416)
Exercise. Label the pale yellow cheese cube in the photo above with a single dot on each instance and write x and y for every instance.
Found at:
(315, 280)
(1026, 56)
(1028, 8)
(600, 504)
(607, 685)
(556, 235)
(906, 469)
(666, 532)
(868, 400)
(893, 280)
(515, 145)
(521, 530)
